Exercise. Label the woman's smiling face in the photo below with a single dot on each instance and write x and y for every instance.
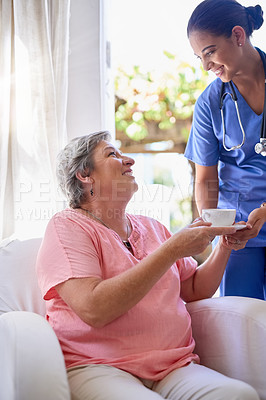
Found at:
(218, 54)
(113, 171)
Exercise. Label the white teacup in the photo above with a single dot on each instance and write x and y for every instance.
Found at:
(219, 216)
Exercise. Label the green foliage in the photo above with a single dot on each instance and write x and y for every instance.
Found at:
(162, 97)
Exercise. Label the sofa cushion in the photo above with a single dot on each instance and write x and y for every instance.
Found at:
(31, 362)
(230, 337)
(19, 290)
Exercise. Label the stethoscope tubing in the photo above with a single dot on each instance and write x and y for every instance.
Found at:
(260, 148)
(234, 98)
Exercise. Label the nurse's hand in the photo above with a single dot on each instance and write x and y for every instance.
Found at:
(256, 220)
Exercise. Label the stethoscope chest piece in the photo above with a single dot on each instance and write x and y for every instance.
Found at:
(260, 148)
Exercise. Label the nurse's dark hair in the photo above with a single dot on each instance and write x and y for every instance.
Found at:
(218, 17)
(77, 156)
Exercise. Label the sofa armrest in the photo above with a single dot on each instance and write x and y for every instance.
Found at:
(230, 335)
(31, 363)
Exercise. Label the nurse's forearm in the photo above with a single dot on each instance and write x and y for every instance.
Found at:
(206, 187)
(206, 195)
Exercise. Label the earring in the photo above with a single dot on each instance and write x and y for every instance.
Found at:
(240, 44)
(91, 192)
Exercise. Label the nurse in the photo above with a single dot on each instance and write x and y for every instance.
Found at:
(229, 173)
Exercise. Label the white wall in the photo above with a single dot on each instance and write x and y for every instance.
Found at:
(91, 94)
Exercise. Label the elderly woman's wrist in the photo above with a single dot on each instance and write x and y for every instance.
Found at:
(223, 247)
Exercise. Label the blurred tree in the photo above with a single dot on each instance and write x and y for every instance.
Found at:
(155, 106)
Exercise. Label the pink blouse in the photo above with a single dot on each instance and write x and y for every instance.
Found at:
(151, 339)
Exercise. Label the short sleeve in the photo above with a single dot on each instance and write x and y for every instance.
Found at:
(187, 267)
(67, 251)
(203, 146)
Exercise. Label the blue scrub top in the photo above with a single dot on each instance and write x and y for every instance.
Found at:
(242, 172)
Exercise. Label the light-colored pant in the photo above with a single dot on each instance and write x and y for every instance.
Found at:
(192, 382)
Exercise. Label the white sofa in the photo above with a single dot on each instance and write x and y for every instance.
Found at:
(230, 333)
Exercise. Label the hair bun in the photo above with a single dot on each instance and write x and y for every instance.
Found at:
(255, 17)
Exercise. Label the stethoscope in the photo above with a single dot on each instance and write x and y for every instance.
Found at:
(260, 148)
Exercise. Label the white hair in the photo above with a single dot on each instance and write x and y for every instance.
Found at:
(77, 156)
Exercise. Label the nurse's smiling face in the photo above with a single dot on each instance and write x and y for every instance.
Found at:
(218, 54)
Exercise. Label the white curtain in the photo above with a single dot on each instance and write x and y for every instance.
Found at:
(34, 37)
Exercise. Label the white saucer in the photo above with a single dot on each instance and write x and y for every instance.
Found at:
(238, 227)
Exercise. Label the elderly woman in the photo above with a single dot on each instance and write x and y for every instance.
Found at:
(116, 284)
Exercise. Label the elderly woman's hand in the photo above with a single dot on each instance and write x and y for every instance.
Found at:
(199, 234)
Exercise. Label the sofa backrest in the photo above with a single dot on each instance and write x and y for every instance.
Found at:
(19, 290)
